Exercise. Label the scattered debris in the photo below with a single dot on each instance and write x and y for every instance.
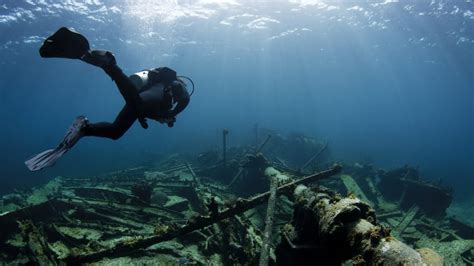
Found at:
(322, 222)
(197, 210)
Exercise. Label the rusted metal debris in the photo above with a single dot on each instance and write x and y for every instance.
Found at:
(184, 199)
(199, 222)
(323, 222)
(269, 218)
(315, 156)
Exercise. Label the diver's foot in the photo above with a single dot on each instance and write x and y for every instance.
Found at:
(75, 132)
(100, 58)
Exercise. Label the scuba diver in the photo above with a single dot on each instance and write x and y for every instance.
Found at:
(158, 94)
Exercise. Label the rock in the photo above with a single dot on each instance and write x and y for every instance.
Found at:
(154, 175)
(158, 197)
(42, 194)
(177, 203)
(13, 199)
(143, 191)
(430, 257)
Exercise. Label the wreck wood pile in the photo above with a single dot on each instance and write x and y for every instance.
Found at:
(199, 222)
(188, 205)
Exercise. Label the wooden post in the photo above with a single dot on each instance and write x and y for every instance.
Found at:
(267, 234)
(225, 132)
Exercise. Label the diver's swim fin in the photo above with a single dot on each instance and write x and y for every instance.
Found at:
(50, 157)
(65, 43)
(45, 159)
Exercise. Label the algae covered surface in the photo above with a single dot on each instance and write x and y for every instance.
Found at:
(81, 217)
(314, 126)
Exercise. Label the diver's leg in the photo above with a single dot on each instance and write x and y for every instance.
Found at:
(115, 130)
(106, 61)
(127, 89)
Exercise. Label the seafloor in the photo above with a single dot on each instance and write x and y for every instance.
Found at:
(211, 209)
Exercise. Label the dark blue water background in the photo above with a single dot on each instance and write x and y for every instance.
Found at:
(389, 82)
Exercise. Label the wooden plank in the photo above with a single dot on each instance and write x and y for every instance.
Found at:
(353, 187)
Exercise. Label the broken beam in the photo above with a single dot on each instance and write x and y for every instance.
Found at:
(267, 234)
(199, 222)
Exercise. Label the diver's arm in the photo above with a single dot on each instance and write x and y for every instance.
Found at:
(181, 97)
(179, 107)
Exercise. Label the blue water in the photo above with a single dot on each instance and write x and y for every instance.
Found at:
(390, 82)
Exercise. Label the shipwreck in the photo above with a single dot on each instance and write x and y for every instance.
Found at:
(280, 201)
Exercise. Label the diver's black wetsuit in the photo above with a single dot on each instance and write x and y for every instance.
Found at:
(152, 103)
(161, 95)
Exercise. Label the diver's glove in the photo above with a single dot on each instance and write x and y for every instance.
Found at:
(168, 120)
(143, 122)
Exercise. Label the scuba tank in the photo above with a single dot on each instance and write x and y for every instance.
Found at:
(165, 79)
(139, 79)
(163, 76)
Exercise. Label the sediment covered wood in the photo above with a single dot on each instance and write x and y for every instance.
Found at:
(199, 222)
(267, 233)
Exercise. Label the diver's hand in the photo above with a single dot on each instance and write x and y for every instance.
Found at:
(168, 120)
(143, 122)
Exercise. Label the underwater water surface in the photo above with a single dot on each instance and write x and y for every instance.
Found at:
(388, 82)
